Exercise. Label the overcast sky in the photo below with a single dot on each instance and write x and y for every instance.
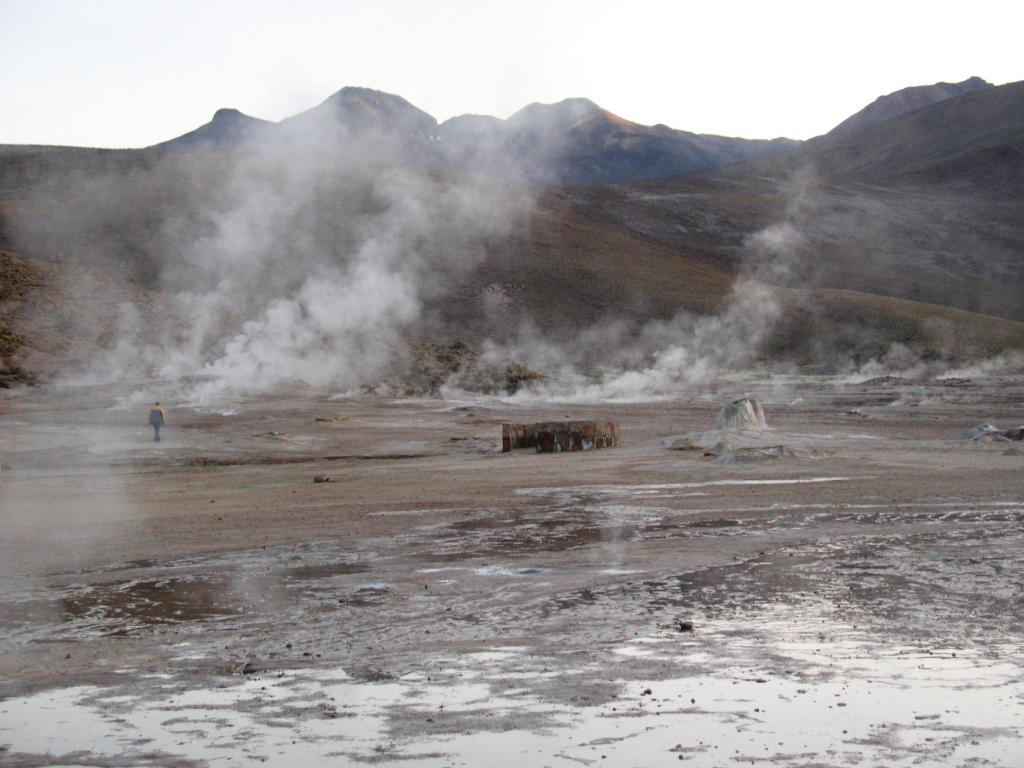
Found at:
(123, 73)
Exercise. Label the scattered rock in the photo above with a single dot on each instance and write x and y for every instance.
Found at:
(684, 443)
(979, 432)
(756, 455)
(13, 376)
(884, 381)
(369, 674)
(715, 442)
(715, 523)
(987, 433)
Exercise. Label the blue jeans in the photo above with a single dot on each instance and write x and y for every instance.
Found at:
(156, 431)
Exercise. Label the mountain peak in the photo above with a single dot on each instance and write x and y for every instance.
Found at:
(355, 93)
(228, 113)
(227, 126)
(559, 113)
(365, 108)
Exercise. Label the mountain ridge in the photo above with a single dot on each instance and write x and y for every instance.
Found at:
(907, 100)
(896, 236)
(572, 141)
(921, 142)
(228, 126)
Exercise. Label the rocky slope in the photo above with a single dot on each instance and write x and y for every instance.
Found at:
(955, 132)
(907, 100)
(928, 206)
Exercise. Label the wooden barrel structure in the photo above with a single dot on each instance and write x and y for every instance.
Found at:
(560, 436)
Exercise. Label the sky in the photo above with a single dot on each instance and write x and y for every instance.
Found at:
(122, 73)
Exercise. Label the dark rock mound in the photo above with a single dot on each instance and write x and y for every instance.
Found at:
(430, 366)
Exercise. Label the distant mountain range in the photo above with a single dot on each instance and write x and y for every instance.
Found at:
(910, 213)
(927, 204)
(573, 141)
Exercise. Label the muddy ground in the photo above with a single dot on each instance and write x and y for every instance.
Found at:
(856, 601)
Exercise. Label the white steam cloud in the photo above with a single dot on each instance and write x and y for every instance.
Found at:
(311, 259)
(660, 358)
(316, 258)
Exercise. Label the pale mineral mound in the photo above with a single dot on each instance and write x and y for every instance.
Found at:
(740, 424)
(743, 414)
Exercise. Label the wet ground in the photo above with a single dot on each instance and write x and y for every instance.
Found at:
(444, 604)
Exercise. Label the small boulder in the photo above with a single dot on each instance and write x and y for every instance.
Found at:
(983, 433)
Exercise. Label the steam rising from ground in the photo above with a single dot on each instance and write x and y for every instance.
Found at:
(307, 259)
(660, 357)
(653, 361)
(314, 259)
(337, 321)
(903, 362)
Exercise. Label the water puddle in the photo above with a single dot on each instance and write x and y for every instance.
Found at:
(562, 634)
(666, 490)
(127, 606)
(845, 703)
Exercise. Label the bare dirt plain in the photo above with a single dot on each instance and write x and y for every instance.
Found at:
(204, 602)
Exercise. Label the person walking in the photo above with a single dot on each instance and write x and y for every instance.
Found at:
(157, 418)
